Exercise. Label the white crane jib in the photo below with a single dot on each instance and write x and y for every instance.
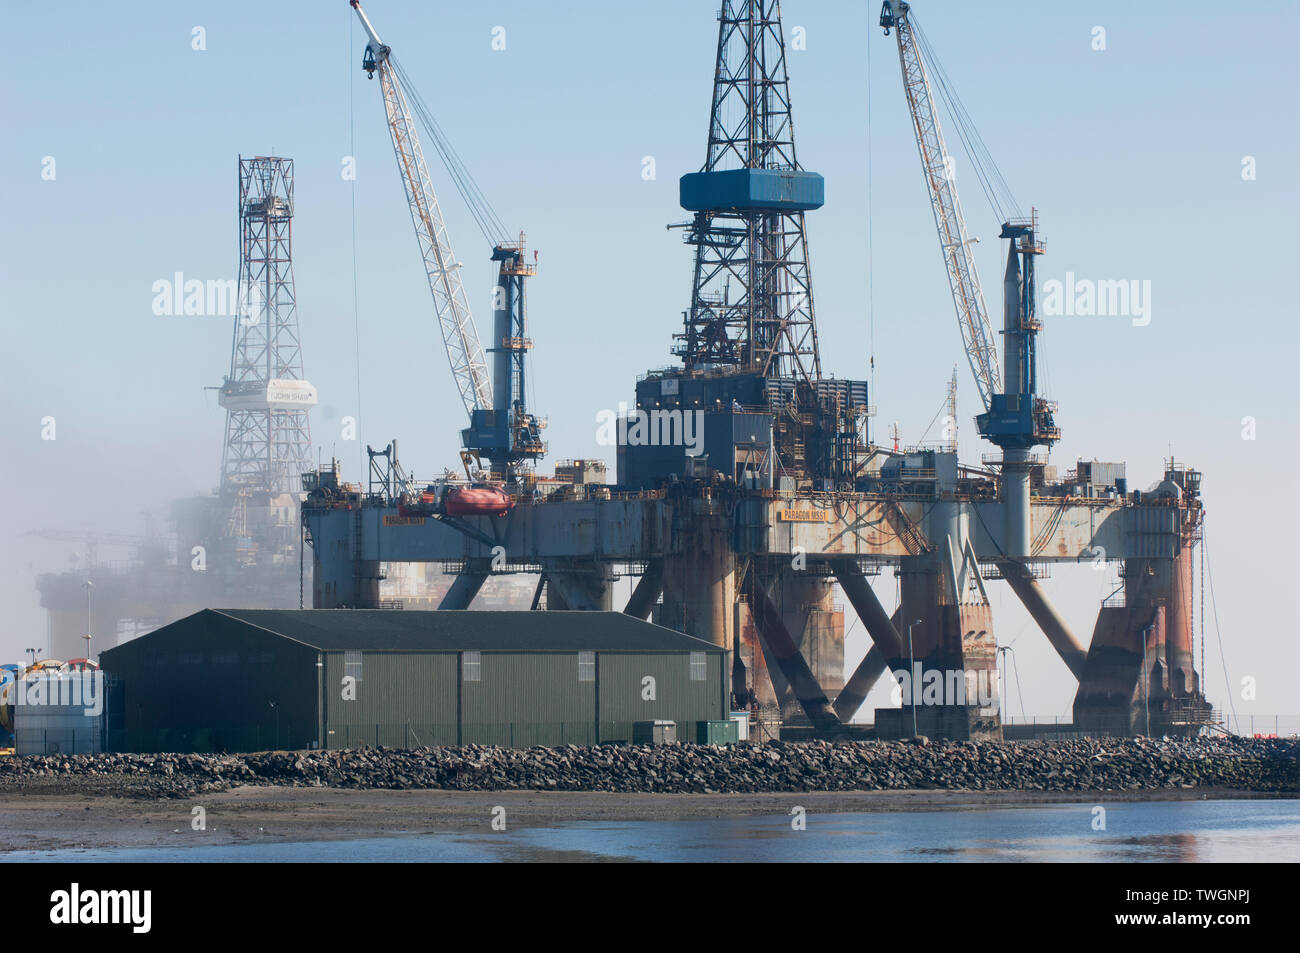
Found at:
(464, 352)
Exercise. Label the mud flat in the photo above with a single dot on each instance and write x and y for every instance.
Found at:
(261, 813)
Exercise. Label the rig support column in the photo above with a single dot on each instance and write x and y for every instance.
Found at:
(699, 585)
(1027, 589)
(1015, 502)
(807, 604)
(887, 646)
(467, 585)
(780, 648)
(1139, 678)
(951, 690)
(646, 593)
(582, 587)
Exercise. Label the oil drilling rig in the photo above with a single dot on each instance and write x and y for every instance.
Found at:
(747, 488)
(266, 396)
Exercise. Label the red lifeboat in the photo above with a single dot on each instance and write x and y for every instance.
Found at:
(477, 501)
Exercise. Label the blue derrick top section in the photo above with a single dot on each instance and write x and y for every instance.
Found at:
(775, 189)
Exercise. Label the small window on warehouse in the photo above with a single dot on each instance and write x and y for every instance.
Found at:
(586, 666)
(352, 665)
(471, 666)
(699, 667)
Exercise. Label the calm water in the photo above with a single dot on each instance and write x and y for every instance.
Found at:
(1190, 831)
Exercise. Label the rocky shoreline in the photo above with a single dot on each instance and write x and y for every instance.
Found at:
(1117, 765)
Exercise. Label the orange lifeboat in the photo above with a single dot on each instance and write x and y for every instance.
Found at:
(481, 500)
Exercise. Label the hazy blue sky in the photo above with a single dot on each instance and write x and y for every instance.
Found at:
(1133, 154)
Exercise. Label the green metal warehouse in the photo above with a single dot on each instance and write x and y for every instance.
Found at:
(259, 679)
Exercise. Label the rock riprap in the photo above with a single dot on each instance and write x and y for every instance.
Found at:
(1141, 764)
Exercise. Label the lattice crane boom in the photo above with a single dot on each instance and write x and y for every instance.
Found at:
(459, 335)
(963, 278)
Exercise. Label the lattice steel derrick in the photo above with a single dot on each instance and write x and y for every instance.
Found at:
(268, 435)
(751, 298)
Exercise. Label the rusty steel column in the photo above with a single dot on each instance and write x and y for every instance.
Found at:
(699, 585)
(1146, 588)
(1178, 634)
(368, 576)
(1058, 632)
(1125, 690)
(952, 651)
(807, 604)
(646, 593)
(776, 639)
(581, 587)
(1110, 701)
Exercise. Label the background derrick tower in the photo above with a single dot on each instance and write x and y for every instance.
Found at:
(266, 397)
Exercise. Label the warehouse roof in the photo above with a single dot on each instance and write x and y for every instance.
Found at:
(448, 630)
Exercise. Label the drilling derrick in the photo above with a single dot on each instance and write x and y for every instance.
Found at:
(751, 298)
(749, 388)
(266, 398)
(748, 345)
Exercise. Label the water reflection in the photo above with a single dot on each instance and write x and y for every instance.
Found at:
(1187, 832)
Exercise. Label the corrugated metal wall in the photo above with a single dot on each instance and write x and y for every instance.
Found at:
(677, 698)
(402, 699)
(520, 699)
(529, 699)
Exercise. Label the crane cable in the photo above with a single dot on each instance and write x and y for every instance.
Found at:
(1218, 633)
(992, 183)
(871, 284)
(485, 216)
(990, 176)
(356, 306)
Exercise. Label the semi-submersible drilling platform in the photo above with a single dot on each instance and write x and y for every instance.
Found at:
(741, 544)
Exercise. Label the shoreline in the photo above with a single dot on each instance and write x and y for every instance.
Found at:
(50, 821)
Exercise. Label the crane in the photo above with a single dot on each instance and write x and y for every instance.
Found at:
(500, 428)
(963, 278)
(1015, 418)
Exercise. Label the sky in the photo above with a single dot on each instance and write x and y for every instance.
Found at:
(1167, 153)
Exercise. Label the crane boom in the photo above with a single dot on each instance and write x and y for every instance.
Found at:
(464, 352)
(967, 295)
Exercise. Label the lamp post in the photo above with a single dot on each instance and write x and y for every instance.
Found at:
(911, 675)
(1002, 651)
(90, 592)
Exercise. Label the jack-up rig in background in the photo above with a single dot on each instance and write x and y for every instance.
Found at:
(239, 546)
(741, 544)
(266, 396)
